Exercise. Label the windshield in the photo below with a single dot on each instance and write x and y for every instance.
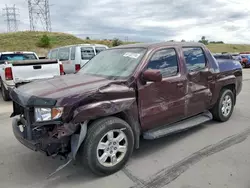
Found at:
(99, 49)
(17, 57)
(114, 63)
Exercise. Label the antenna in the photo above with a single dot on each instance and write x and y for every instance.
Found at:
(39, 14)
(11, 18)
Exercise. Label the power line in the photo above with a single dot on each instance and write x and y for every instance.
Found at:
(39, 14)
(10, 13)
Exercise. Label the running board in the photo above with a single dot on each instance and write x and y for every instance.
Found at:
(177, 127)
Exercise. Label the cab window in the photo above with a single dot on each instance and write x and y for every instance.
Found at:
(166, 61)
(195, 58)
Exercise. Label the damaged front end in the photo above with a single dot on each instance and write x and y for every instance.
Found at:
(54, 137)
(51, 137)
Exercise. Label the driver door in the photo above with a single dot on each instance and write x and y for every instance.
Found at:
(161, 103)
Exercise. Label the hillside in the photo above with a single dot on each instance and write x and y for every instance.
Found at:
(28, 40)
(21, 41)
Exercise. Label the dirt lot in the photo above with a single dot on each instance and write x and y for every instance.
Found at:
(212, 155)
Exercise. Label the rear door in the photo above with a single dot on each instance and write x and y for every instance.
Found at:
(199, 77)
(161, 103)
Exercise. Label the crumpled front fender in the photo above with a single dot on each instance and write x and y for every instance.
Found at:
(102, 109)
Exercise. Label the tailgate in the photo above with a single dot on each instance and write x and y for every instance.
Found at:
(26, 71)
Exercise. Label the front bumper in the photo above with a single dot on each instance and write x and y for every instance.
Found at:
(21, 136)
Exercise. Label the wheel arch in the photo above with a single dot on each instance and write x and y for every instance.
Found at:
(232, 87)
(132, 121)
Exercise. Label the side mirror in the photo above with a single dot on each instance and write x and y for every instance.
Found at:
(152, 75)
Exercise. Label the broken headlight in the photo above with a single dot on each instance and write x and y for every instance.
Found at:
(48, 114)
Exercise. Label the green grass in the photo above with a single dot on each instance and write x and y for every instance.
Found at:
(217, 48)
(28, 40)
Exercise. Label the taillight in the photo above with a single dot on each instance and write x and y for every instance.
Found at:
(61, 69)
(77, 67)
(8, 73)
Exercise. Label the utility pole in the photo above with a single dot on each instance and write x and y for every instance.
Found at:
(39, 14)
(10, 13)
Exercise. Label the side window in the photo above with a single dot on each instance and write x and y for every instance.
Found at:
(87, 53)
(166, 61)
(195, 58)
(63, 54)
(73, 53)
(53, 54)
(99, 49)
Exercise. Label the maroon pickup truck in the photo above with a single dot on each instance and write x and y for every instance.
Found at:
(121, 95)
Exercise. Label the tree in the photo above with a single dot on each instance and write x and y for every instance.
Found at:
(116, 42)
(44, 41)
(183, 40)
(87, 38)
(203, 40)
(216, 42)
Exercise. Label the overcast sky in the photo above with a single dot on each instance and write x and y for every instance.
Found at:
(146, 20)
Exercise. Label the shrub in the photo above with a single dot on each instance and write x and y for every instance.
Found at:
(44, 41)
(116, 42)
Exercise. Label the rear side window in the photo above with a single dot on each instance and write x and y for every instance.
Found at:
(63, 54)
(166, 61)
(53, 54)
(18, 56)
(195, 58)
(73, 53)
(87, 53)
(99, 49)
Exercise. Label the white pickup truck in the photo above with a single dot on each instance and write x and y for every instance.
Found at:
(17, 68)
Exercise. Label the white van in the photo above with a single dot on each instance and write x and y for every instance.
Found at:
(73, 57)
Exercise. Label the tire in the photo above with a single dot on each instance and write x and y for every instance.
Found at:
(5, 93)
(91, 155)
(217, 110)
(243, 65)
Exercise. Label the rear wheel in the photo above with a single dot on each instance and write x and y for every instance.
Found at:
(108, 146)
(243, 65)
(5, 93)
(224, 107)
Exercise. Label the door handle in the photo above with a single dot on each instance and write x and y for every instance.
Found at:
(180, 84)
(210, 78)
(37, 67)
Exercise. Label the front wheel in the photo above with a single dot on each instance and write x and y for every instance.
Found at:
(243, 65)
(224, 107)
(108, 146)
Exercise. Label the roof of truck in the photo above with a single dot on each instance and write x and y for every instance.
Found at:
(97, 45)
(159, 44)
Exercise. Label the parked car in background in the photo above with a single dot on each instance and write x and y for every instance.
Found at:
(75, 56)
(17, 68)
(123, 93)
(237, 57)
(245, 60)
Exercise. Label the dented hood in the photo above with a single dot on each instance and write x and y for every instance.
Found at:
(63, 86)
(71, 89)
